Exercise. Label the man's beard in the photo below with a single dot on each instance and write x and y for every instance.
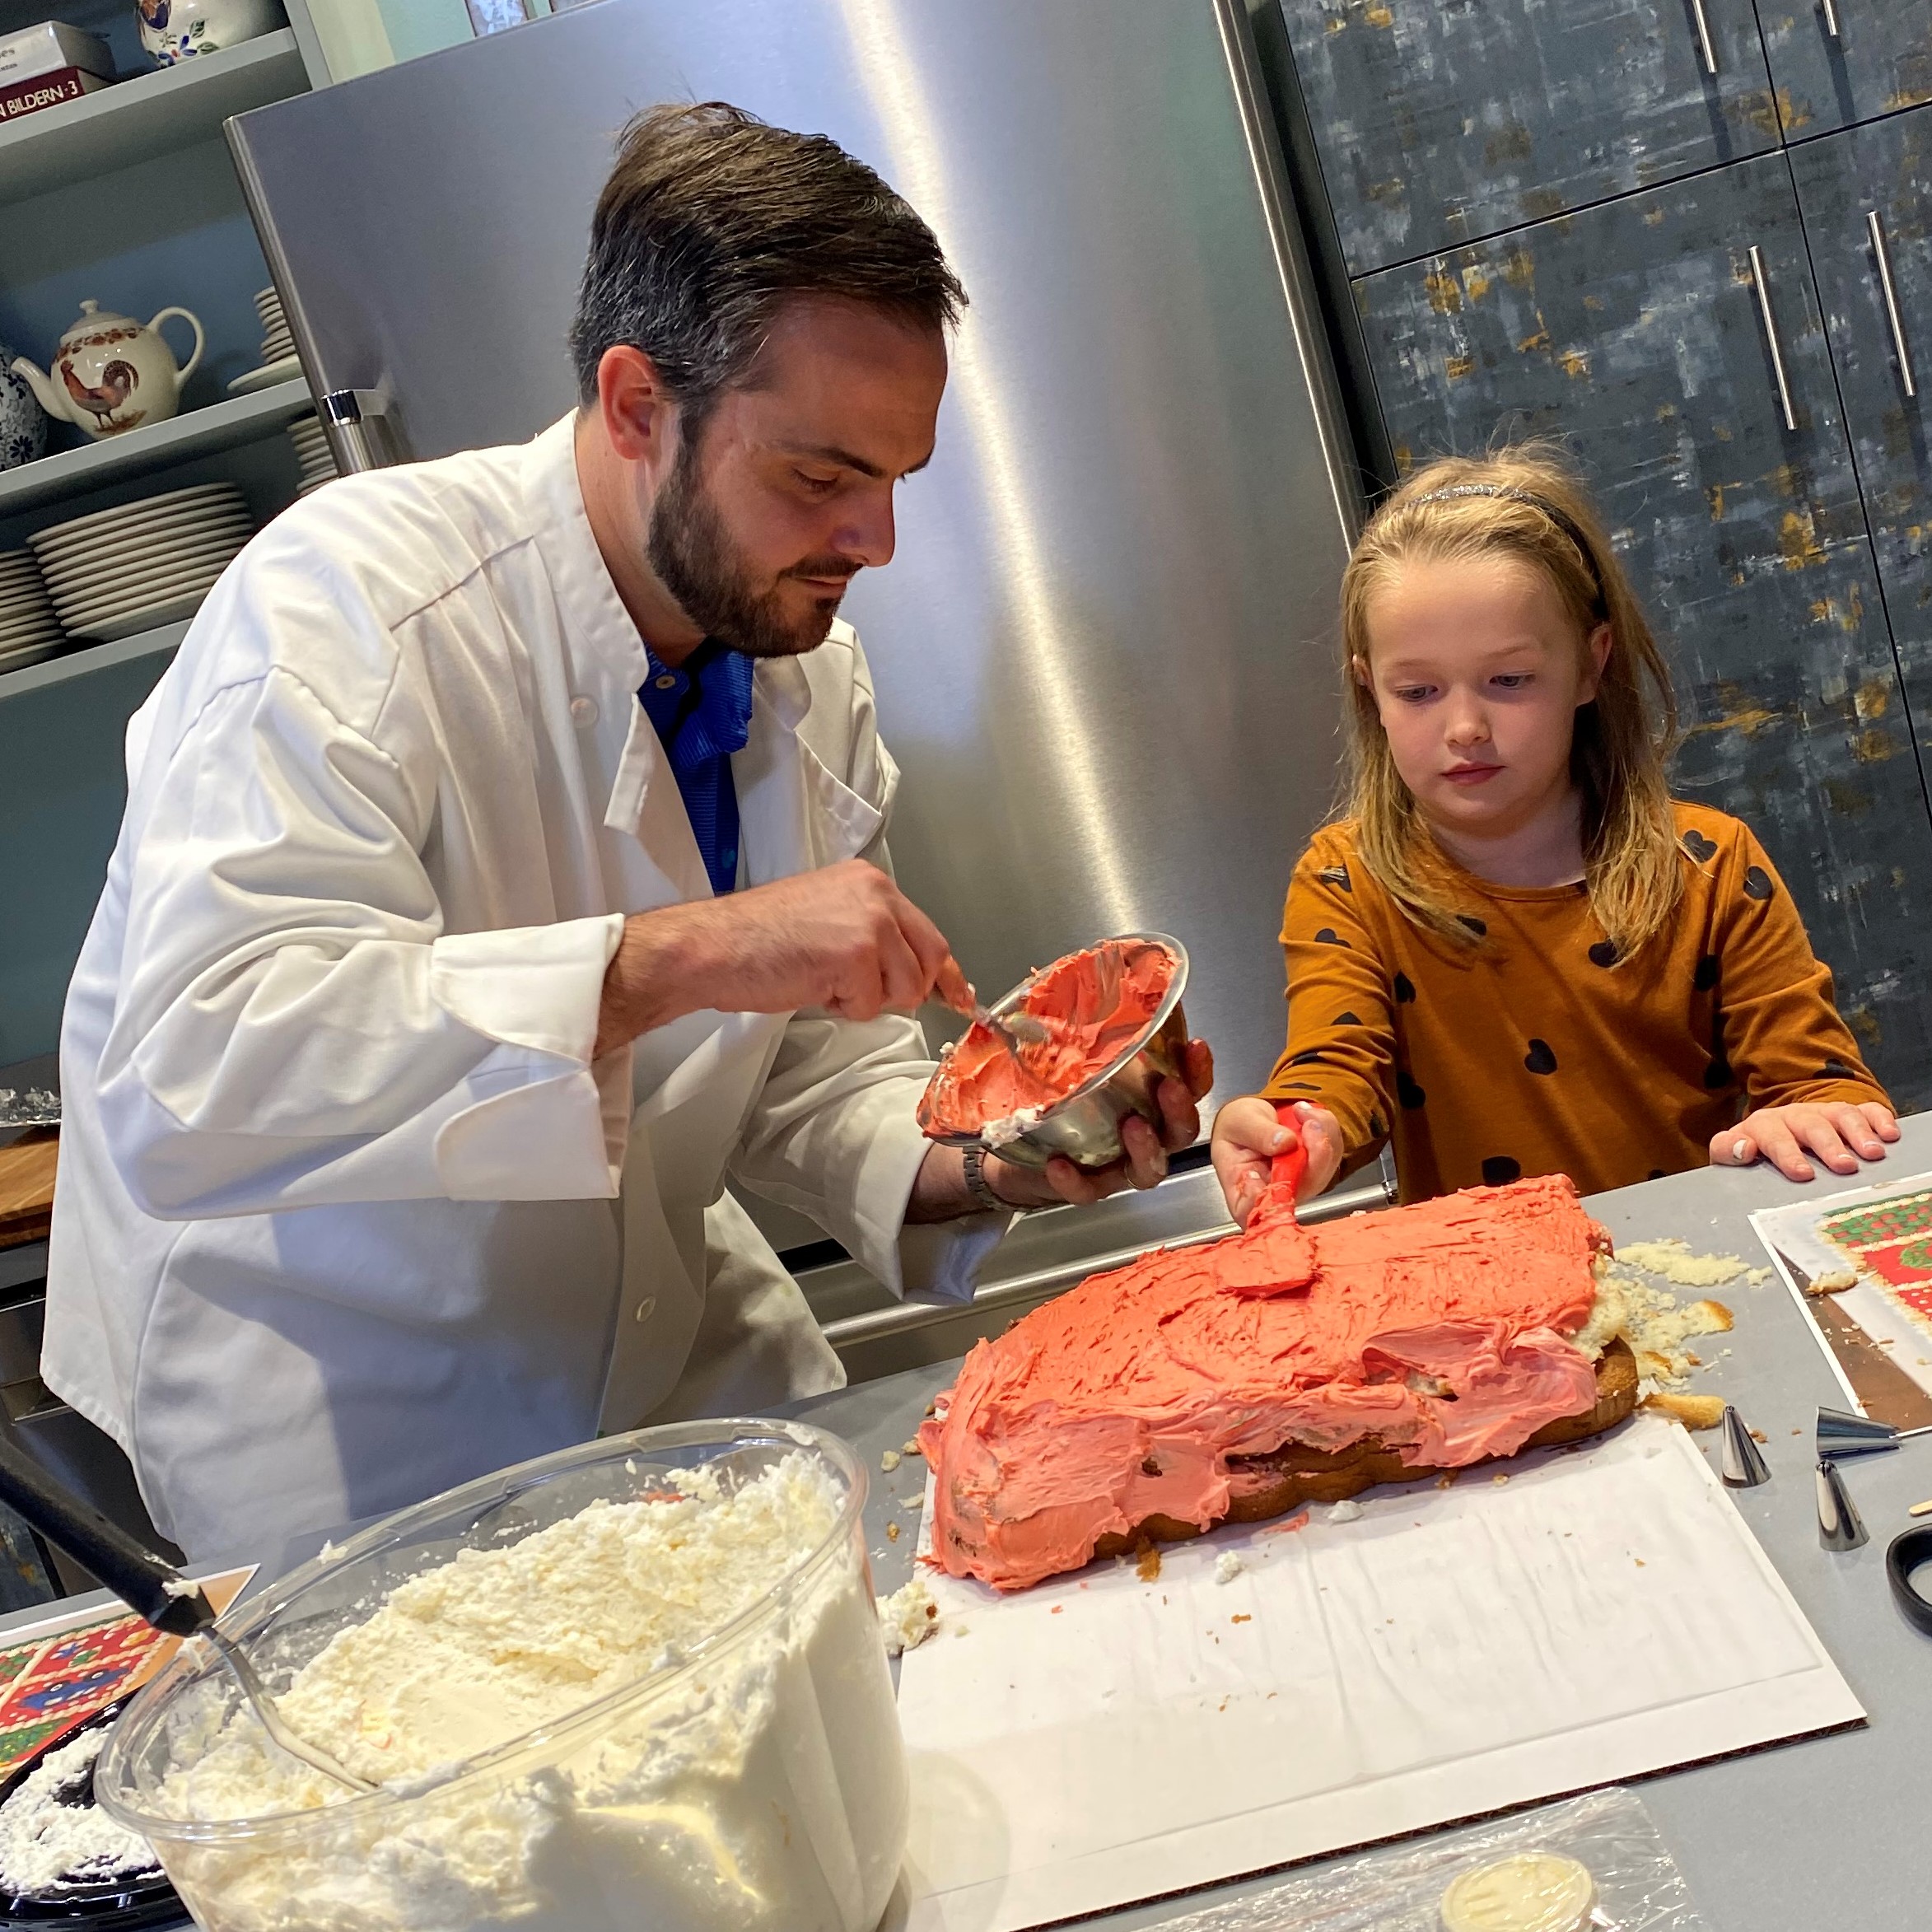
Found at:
(696, 560)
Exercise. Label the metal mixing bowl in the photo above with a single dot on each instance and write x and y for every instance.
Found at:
(1085, 1125)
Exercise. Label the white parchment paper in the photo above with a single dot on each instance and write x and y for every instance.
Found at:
(1100, 1739)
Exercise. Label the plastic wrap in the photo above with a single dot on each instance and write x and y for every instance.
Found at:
(1638, 1887)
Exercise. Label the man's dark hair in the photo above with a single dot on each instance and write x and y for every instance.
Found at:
(712, 220)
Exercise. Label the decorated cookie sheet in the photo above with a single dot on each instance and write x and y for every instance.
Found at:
(56, 1672)
(1281, 1691)
(1860, 1264)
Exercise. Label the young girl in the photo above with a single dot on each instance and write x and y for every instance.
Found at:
(1518, 954)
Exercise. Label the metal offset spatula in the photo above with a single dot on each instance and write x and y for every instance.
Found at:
(1013, 1031)
(152, 1589)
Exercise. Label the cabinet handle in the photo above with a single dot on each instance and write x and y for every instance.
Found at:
(1831, 8)
(1882, 256)
(1706, 45)
(1762, 285)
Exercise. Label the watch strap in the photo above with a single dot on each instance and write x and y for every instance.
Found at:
(977, 1185)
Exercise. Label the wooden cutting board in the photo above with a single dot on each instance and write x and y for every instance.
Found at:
(27, 1187)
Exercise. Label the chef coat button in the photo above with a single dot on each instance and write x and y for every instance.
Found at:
(645, 1309)
(666, 681)
(583, 710)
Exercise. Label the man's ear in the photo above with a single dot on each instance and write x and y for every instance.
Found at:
(637, 409)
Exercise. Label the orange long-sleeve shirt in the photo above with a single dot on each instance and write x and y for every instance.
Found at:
(1531, 1053)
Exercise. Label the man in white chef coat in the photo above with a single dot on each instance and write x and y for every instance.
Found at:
(504, 871)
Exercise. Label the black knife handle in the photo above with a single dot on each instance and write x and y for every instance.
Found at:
(132, 1571)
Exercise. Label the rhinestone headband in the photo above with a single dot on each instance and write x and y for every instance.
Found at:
(1562, 518)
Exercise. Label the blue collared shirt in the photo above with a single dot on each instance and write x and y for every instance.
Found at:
(702, 714)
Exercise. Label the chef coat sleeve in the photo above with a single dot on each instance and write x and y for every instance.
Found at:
(293, 1025)
(833, 1133)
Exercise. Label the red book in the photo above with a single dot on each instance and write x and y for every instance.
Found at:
(66, 83)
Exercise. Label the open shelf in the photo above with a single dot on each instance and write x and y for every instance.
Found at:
(200, 432)
(91, 657)
(153, 114)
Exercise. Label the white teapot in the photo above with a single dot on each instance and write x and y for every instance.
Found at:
(112, 374)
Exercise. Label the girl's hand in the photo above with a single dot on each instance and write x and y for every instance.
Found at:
(1838, 1132)
(1247, 1136)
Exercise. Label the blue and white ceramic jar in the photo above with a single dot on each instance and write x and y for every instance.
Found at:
(23, 422)
(175, 31)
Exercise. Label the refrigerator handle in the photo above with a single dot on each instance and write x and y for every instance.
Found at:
(361, 429)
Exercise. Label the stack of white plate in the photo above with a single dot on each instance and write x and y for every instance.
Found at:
(311, 446)
(29, 629)
(120, 572)
(276, 340)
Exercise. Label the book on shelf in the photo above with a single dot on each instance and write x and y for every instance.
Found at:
(38, 52)
(65, 84)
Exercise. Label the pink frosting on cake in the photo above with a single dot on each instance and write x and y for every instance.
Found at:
(1441, 1328)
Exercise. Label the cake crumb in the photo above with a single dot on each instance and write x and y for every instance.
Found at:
(908, 1616)
(912, 1449)
(1147, 1563)
(1228, 1565)
(1242, 1617)
(1833, 1281)
(1694, 1412)
(1056, 1610)
(1499, 1480)
(892, 1532)
(1446, 1480)
(890, 1461)
(1347, 1510)
(1673, 1260)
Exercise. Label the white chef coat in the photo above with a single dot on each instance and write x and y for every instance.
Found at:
(346, 1213)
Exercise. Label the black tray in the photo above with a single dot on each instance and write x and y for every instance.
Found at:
(116, 1906)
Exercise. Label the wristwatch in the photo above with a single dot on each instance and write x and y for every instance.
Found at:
(980, 1188)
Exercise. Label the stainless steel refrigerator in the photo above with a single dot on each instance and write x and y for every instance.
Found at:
(1103, 652)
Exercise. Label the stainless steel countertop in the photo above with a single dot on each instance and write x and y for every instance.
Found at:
(1823, 1832)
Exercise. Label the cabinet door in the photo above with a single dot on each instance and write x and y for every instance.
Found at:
(1634, 330)
(1879, 60)
(1439, 121)
(1883, 170)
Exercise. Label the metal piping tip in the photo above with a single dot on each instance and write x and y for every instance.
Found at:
(1839, 1527)
(1743, 1468)
(1842, 1434)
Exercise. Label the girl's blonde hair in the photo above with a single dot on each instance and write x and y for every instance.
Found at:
(1525, 501)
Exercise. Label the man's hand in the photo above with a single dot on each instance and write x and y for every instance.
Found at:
(1247, 1135)
(1837, 1131)
(940, 1192)
(844, 937)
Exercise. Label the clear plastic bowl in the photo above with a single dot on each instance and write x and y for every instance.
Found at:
(759, 1781)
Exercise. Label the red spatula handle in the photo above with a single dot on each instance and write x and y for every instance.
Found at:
(1287, 1167)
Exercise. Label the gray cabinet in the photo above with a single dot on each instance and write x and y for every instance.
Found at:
(1439, 121)
(1635, 330)
(1836, 62)
(1865, 191)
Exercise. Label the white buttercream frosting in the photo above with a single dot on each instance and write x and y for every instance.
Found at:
(764, 1789)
